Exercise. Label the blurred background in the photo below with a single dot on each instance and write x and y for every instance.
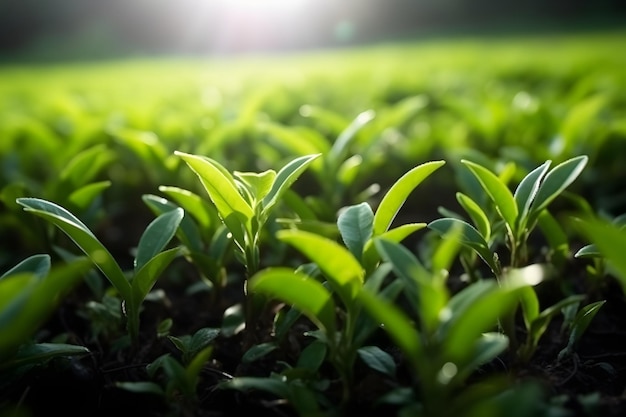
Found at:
(95, 29)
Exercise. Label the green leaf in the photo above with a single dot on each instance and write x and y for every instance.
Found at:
(157, 235)
(83, 196)
(378, 359)
(485, 349)
(477, 215)
(427, 294)
(83, 237)
(40, 353)
(195, 367)
(581, 322)
(467, 235)
(202, 338)
(193, 204)
(299, 290)
(557, 180)
(285, 178)
(355, 226)
(588, 251)
(397, 234)
(38, 265)
(610, 240)
(259, 184)
(145, 278)
(222, 192)
(26, 301)
(141, 387)
(256, 352)
(395, 198)
(405, 264)
(312, 356)
(343, 271)
(188, 231)
(339, 149)
(84, 166)
(274, 386)
(395, 322)
(526, 192)
(481, 315)
(496, 190)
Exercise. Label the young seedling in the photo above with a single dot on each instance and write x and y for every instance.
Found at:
(244, 202)
(207, 251)
(150, 261)
(343, 277)
(176, 380)
(519, 212)
(454, 334)
(29, 292)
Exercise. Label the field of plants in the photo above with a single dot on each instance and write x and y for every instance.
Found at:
(411, 229)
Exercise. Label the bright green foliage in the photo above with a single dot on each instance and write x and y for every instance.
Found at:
(519, 211)
(150, 261)
(29, 293)
(455, 334)
(244, 201)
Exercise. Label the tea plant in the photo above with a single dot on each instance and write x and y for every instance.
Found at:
(176, 379)
(244, 202)
(453, 335)
(150, 261)
(519, 212)
(29, 293)
(207, 240)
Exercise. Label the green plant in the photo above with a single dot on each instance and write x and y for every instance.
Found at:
(451, 335)
(150, 260)
(208, 242)
(607, 238)
(519, 212)
(244, 202)
(29, 292)
(176, 379)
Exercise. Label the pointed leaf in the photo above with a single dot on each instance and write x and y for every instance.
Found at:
(259, 184)
(427, 294)
(467, 235)
(222, 191)
(84, 196)
(588, 251)
(39, 353)
(285, 178)
(83, 237)
(395, 198)
(340, 147)
(256, 352)
(201, 210)
(38, 265)
(477, 215)
(557, 180)
(378, 359)
(145, 278)
(355, 225)
(342, 269)
(397, 234)
(497, 191)
(188, 231)
(527, 190)
(395, 322)
(157, 235)
(299, 290)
